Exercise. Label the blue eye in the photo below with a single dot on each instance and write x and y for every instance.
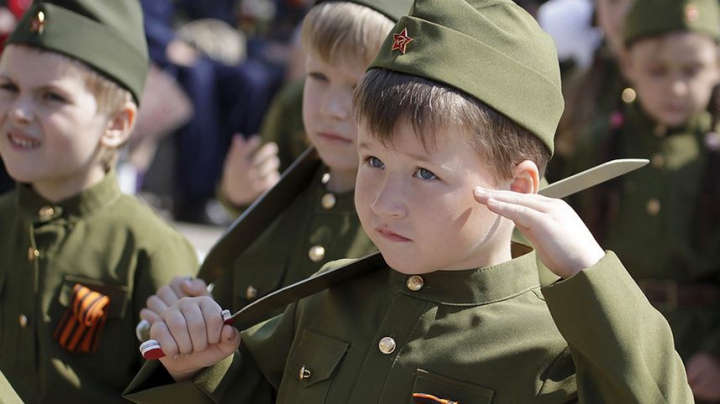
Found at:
(425, 174)
(375, 162)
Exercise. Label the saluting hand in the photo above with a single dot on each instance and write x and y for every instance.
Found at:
(249, 170)
(193, 335)
(561, 239)
(167, 295)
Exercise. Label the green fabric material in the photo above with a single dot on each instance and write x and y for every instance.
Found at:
(475, 336)
(280, 257)
(107, 35)
(490, 49)
(663, 246)
(283, 124)
(657, 17)
(104, 240)
(392, 9)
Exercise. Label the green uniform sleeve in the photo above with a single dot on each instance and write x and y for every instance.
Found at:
(622, 348)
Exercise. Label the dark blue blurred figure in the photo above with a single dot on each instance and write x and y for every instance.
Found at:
(226, 100)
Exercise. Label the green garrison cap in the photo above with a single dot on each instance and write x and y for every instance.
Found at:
(657, 17)
(392, 9)
(105, 34)
(490, 49)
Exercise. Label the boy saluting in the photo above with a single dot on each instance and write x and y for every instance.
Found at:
(456, 120)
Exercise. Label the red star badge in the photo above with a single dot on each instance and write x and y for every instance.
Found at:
(38, 23)
(401, 41)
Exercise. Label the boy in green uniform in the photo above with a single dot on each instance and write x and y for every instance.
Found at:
(78, 259)
(320, 224)
(664, 221)
(450, 312)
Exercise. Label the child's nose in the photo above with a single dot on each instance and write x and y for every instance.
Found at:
(337, 105)
(20, 111)
(388, 201)
(679, 87)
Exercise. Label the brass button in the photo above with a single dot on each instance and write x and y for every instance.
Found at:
(23, 320)
(628, 95)
(653, 207)
(251, 293)
(658, 161)
(304, 373)
(328, 201)
(387, 345)
(415, 283)
(325, 178)
(660, 130)
(316, 253)
(46, 212)
(33, 254)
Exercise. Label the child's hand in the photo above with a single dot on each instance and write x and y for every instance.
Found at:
(193, 335)
(703, 371)
(249, 170)
(170, 294)
(561, 239)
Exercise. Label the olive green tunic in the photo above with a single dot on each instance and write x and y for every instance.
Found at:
(311, 232)
(654, 229)
(476, 336)
(102, 239)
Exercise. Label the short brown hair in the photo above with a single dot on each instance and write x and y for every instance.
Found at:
(384, 97)
(343, 32)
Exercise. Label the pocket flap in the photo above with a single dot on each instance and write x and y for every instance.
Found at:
(452, 390)
(315, 358)
(116, 293)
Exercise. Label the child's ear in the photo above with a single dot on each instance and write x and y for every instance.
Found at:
(526, 178)
(120, 126)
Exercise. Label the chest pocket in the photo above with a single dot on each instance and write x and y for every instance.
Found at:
(450, 390)
(311, 368)
(112, 339)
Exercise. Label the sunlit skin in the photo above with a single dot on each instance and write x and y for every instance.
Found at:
(611, 19)
(417, 205)
(50, 131)
(328, 117)
(673, 75)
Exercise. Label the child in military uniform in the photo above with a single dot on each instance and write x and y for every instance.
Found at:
(78, 259)
(320, 223)
(449, 312)
(664, 221)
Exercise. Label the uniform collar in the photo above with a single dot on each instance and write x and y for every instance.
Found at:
(474, 287)
(699, 123)
(38, 209)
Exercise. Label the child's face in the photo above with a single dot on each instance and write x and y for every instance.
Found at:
(674, 75)
(611, 19)
(417, 205)
(49, 121)
(328, 113)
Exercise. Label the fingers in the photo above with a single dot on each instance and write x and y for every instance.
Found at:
(189, 327)
(244, 148)
(533, 201)
(520, 208)
(193, 287)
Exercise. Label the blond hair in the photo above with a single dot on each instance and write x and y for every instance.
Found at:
(383, 98)
(343, 32)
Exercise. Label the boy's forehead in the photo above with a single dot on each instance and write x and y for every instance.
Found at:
(38, 64)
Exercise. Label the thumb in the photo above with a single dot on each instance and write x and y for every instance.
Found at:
(245, 147)
(229, 339)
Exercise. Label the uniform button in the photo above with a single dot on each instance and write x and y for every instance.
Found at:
(387, 345)
(660, 131)
(628, 95)
(304, 373)
(33, 254)
(328, 201)
(658, 161)
(23, 320)
(653, 207)
(325, 178)
(316, 253)
(415, 283)
(46, 212)
(251, 292)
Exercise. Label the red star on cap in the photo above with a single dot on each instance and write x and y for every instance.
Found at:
(38, 23)
(401, 41)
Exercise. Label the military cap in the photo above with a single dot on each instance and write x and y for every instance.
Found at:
(657, 17)
(492, 50)
(392, 9)
(107, 35)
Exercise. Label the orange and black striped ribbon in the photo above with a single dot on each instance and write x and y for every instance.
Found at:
(82, 323)
(422, 398)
